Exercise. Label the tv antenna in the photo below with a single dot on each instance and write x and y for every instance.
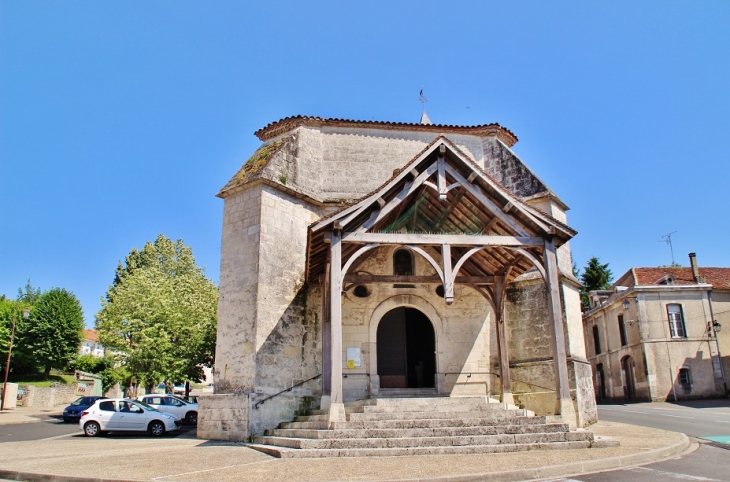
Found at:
(667, 238)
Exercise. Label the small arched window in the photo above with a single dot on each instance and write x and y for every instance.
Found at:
(403, 263)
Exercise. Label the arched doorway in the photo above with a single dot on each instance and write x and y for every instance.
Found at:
(627, 367)
(406, 347)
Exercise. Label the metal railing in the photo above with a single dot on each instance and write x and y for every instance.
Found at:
(259, 403)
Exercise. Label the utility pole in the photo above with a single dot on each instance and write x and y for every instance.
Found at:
(26, 312)
(713, 328)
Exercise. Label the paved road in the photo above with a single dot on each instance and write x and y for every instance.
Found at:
(52, 427)
(708, 418)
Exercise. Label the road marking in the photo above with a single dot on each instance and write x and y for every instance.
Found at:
(676, 416)
(217, 468)
(634, 411)
(62, 436)
(720, 421)
(672, 475)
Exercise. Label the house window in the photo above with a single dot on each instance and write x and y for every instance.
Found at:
(402, 263)
(596, 340)
(622, 330)
(685, 378)
(676, 321)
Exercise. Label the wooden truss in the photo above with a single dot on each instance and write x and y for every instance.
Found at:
(485, 238)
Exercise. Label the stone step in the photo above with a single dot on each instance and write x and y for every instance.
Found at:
(432, 414)
(418, 432)
(486, 407)
(401, 442)
(405, 401)
(438, 422)
(283, 452)
(419, 423)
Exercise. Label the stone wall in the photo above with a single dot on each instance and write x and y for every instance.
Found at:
(56, 394)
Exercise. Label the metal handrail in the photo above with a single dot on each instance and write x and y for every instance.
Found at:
(257, 404)
(469, 374)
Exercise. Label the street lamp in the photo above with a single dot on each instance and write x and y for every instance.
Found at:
(26, 313)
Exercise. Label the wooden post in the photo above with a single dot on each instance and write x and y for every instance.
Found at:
(336, 406)
(502, 349)
(326, 340)
(448, 274)
(564, 404)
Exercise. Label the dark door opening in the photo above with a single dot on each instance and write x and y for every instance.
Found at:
(627, 366)
(406, 347)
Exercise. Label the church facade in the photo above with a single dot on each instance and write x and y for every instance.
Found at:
(368, 259)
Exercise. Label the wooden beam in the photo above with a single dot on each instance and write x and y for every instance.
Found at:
(564, 404)
(440, 239)
(448, 274)
(424, 280)
(407, 190)
(488, 203)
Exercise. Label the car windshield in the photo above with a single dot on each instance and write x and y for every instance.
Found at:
(82, 401)
(147, 406)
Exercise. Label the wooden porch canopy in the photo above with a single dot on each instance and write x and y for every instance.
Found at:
(471, 230)
(441, 198)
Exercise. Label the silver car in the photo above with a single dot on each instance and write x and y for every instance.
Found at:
(172, 404)
(125, 415)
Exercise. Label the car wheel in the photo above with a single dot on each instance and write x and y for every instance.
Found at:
(156, 428)
(92, 429)
(191, 418)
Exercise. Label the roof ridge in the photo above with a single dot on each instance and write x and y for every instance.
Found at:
(276, 128)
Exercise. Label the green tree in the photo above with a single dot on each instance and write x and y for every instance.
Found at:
(9, 309)
(107, 367)
(160, 314)
(53, 332)
(595, 276)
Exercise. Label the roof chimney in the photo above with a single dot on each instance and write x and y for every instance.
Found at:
(695, 269)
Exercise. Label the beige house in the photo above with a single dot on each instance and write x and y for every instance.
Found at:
(90, 345)
(657, 335)
(369, 259)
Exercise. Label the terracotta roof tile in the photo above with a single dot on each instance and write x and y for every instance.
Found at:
(279, 127)
(91, 335)
(719, 278)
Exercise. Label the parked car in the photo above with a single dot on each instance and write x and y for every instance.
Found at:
(72, 413)
(126, 415)
(172, 404)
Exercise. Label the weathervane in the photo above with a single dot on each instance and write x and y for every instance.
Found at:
(422, 99)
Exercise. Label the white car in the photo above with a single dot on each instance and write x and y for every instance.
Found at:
(125, 415)
(172, 404)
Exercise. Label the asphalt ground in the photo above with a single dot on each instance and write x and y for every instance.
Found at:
(185, 458)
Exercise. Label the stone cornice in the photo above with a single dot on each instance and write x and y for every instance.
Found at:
(287, 124)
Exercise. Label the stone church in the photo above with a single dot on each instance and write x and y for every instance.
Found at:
(365, 260)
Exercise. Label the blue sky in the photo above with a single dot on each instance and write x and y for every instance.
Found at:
(121, 120)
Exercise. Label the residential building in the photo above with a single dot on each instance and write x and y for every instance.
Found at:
(657, 335)
(91, 345)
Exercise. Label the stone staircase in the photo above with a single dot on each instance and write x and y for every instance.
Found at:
(420, 426)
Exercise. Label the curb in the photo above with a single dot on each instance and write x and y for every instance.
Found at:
(537, 473)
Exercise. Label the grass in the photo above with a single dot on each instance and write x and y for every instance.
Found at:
(40, 379)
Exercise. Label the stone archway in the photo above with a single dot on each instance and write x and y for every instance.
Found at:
(428, 314)
(406, 347)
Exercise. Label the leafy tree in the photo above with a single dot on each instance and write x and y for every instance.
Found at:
(53, 332)
(160, 314)
(595, 276)
(9, 309)
(29, 295)
(107, 367)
